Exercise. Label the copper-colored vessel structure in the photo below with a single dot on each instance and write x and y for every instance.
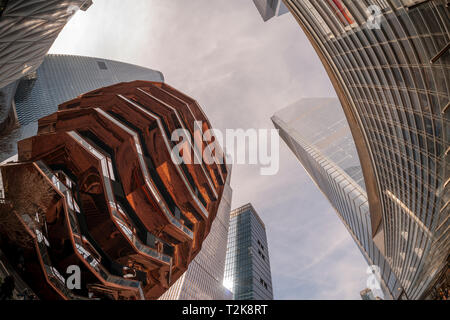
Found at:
(121, 209)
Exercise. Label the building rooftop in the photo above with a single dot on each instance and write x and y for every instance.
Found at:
(244, 208)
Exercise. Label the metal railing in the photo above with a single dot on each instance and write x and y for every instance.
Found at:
(82, 250)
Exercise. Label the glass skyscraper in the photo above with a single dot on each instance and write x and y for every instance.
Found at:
(204, 278)
(27, 31)
(270, 8)
(322, 123)
(318, 133)
(247, 266)
(61, 78)
(389, 63)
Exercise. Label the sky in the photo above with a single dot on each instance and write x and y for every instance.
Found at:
(241, 71)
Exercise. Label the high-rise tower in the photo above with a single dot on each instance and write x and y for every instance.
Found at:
(27, 31)
(318, 133)
(61, 78)
(270, 8)
(247, 266)
(204, 278)
(389, 63)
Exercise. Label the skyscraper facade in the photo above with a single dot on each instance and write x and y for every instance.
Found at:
(247, 266)
(61, 78)
(97, 189)
(27, 31)
(389, 63)
(270, 8)
(203, 280)
(318, 133)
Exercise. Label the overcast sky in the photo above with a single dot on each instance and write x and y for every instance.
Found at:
(241, 71)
